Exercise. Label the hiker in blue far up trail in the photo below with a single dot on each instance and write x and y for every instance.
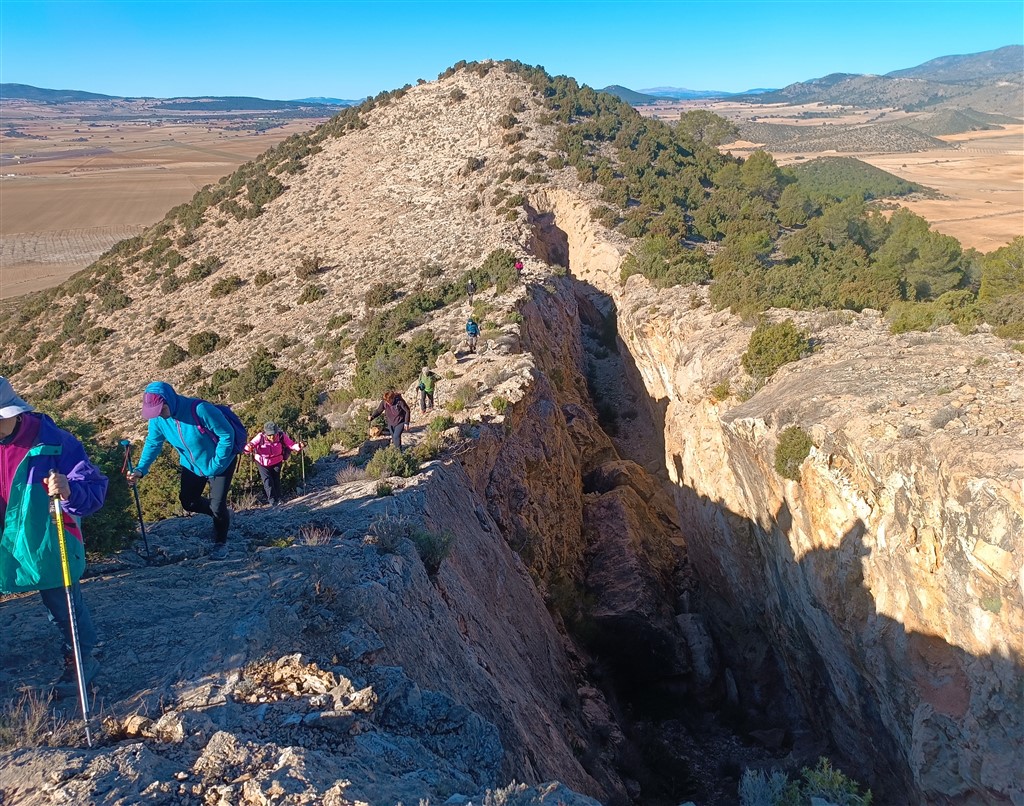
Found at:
(40, 462)
(472, 333)
(208, 439)
(271, 447)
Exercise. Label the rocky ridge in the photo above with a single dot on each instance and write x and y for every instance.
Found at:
(789, 611)
(291, 681)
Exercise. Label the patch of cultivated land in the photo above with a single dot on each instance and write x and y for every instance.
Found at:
(70, 188)
(980, 176)
(982, 182)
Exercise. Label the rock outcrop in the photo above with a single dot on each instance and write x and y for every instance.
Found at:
(884, 587)
(332, 673)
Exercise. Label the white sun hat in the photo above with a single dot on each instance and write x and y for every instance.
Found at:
(10, 404)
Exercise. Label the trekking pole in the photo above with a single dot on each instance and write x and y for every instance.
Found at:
(65, 567)
(127, 445)
(302, 459)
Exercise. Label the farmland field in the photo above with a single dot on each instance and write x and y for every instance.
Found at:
(73, 185)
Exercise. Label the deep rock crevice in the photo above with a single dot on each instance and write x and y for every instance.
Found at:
(872, 605)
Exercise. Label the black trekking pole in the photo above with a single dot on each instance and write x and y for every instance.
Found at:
(65, 568)
(127, 445)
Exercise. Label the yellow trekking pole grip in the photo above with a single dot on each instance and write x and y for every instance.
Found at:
(65, 565)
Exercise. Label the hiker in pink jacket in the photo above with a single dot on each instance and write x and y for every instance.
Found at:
(270, 447)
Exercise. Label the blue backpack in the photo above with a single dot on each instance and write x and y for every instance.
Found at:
(237, 426)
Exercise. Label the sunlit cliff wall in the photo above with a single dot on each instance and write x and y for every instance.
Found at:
(888, 578)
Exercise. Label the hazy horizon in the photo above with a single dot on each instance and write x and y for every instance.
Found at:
(350, 50)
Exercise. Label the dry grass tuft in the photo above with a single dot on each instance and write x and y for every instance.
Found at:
(316, 534)
(29, 722)
(350, 473)
(388, 531)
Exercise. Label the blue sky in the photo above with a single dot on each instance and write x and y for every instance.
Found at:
(283, 50)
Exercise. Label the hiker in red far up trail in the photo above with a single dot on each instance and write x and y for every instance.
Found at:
(40, 463)
(208, 439)
(271, 448)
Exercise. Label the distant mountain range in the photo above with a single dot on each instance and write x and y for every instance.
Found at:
(328, 101)
(974, 66)
(990, 82)
(682, 94)
(205, 103)
(25, 92)
(231, 104)
(660, 94)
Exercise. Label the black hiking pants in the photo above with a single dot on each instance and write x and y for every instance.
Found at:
(192, 499)
(426, 400)
(56, 601)
(271, 478)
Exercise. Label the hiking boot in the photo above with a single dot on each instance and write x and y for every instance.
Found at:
(220, 552)
(67, 684)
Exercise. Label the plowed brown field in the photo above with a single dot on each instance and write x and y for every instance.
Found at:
(66, 199)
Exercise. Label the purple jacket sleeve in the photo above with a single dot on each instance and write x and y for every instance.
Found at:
(88, 485)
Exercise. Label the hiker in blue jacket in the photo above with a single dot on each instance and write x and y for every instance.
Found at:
(472, 333)
(207, 449)
(38, 461)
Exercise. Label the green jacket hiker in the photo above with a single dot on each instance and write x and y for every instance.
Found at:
(425, 385)
(39, 461)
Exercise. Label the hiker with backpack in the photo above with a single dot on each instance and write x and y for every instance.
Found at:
(208, 439)
(271, 448)
(470, 289)
(425, 385)
(472, 333)
(396, 414)
(40, 463)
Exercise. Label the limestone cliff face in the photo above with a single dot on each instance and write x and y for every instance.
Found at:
(587, 524)
(888, 578)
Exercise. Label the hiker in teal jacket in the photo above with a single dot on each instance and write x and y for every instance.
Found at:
(207, 451)
(39, 460)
